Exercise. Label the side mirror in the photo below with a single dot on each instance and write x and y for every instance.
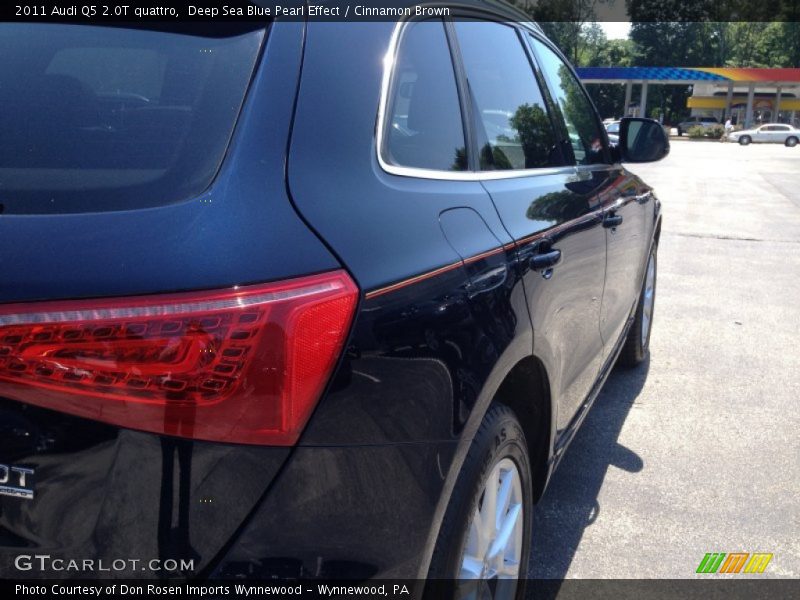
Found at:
(642, 140)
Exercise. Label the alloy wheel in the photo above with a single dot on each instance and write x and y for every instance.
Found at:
(493, 549)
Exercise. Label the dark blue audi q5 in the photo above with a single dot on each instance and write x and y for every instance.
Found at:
(304, 299)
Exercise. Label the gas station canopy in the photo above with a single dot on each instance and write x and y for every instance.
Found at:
(779, 82)
(679, 75)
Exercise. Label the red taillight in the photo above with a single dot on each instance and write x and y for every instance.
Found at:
(245, 365)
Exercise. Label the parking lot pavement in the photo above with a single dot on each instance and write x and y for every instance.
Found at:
(699, 449)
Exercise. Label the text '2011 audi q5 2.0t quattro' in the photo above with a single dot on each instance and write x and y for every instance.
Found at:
(275, 305)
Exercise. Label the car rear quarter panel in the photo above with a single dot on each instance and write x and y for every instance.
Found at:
(442, 321)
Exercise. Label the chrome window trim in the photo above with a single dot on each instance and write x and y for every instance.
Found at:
(419, 173)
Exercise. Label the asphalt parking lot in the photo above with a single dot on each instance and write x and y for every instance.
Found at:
(699, 449)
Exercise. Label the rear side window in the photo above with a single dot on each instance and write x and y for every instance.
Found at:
(583, 126)
(425, 128)
(108, 118)
(513, 126)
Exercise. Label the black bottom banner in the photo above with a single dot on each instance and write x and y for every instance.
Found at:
(545, 589)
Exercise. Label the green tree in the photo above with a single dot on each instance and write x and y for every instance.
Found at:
(533, 127)
(763, 45)
(563, 21)
(608, 97)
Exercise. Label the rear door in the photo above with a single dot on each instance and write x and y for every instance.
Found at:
(779, 134)
(531, 177)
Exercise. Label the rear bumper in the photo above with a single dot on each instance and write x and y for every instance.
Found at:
(345, 512)
(113, 503)
(103, 494)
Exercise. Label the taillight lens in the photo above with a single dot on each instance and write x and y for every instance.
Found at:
(245, 365)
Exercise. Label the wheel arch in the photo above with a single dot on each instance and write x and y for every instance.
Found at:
(526, 391)
(657, 234)
(519, 381)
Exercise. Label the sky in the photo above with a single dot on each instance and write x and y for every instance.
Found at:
(616, 30)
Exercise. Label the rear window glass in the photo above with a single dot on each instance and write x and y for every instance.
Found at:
(425, 129)
(106, 118)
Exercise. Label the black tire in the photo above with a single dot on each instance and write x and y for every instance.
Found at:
(499, 436)
(637, 345)
(680, 133)
(745, 140)
(791, 142)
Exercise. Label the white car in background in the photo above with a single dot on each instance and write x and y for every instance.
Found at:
(771, 133)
